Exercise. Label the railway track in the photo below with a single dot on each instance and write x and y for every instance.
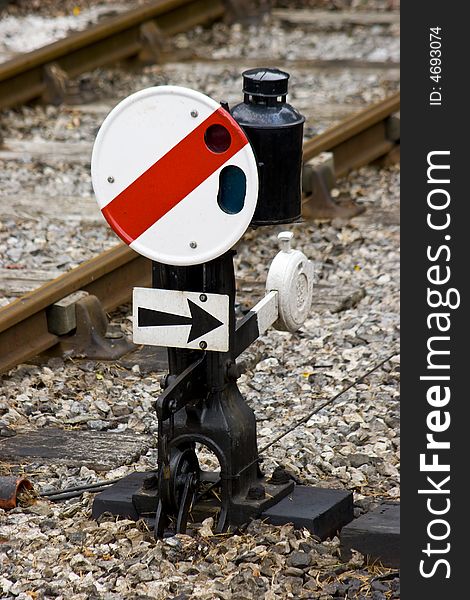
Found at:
(292, 384)
(25, 329)
(43, 72)
(141, 32)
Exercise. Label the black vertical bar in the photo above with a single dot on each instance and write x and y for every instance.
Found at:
(434, 107)
(220, 279)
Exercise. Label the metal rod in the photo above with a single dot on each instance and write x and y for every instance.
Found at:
(84, 487)
(76, 494)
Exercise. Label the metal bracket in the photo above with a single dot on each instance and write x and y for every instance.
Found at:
(256, 322)
(320, 204)
(56, 81)
(58, 87)
(179, 391)
(89, 338)
(61, 318)
(153, 43)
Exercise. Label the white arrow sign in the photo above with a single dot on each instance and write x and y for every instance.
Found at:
(176, 319)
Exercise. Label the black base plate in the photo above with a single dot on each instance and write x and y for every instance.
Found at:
(117, 499)
(322, 511)
(376, 535)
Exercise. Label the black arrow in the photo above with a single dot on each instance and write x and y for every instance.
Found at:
(200, 320)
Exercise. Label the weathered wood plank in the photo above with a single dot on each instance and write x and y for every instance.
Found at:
(97, 450)
(322, 18)
(58, 208)
(48, 152)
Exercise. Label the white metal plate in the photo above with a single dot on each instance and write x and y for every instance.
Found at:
(177, 319)
(157, 181)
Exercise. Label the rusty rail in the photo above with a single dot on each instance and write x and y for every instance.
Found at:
(27, 76)
(112, 275)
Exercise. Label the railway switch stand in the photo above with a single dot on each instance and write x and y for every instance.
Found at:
(180, 178)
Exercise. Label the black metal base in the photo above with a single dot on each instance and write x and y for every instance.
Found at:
(322, 511)
(118, 498)
(376, 535)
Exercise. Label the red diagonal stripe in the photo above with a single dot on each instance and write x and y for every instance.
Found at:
(170, 179)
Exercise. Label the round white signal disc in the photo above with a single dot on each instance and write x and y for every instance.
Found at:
(291, 276)
(174, 175)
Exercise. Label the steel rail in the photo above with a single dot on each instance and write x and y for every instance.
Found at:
(24, 77)
(112, 275)
(357, 140)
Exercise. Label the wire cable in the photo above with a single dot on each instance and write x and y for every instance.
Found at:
(307, 417)
(330, 401)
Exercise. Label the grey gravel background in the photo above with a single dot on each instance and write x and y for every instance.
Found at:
(55, 550)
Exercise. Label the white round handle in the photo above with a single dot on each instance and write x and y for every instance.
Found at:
(285, 238)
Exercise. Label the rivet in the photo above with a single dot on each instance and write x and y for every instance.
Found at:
(111, 179)
(193, 244)
(203, 298)
(194, 113)
(202, 345)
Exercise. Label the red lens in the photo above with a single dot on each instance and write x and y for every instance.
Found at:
(217, 138)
